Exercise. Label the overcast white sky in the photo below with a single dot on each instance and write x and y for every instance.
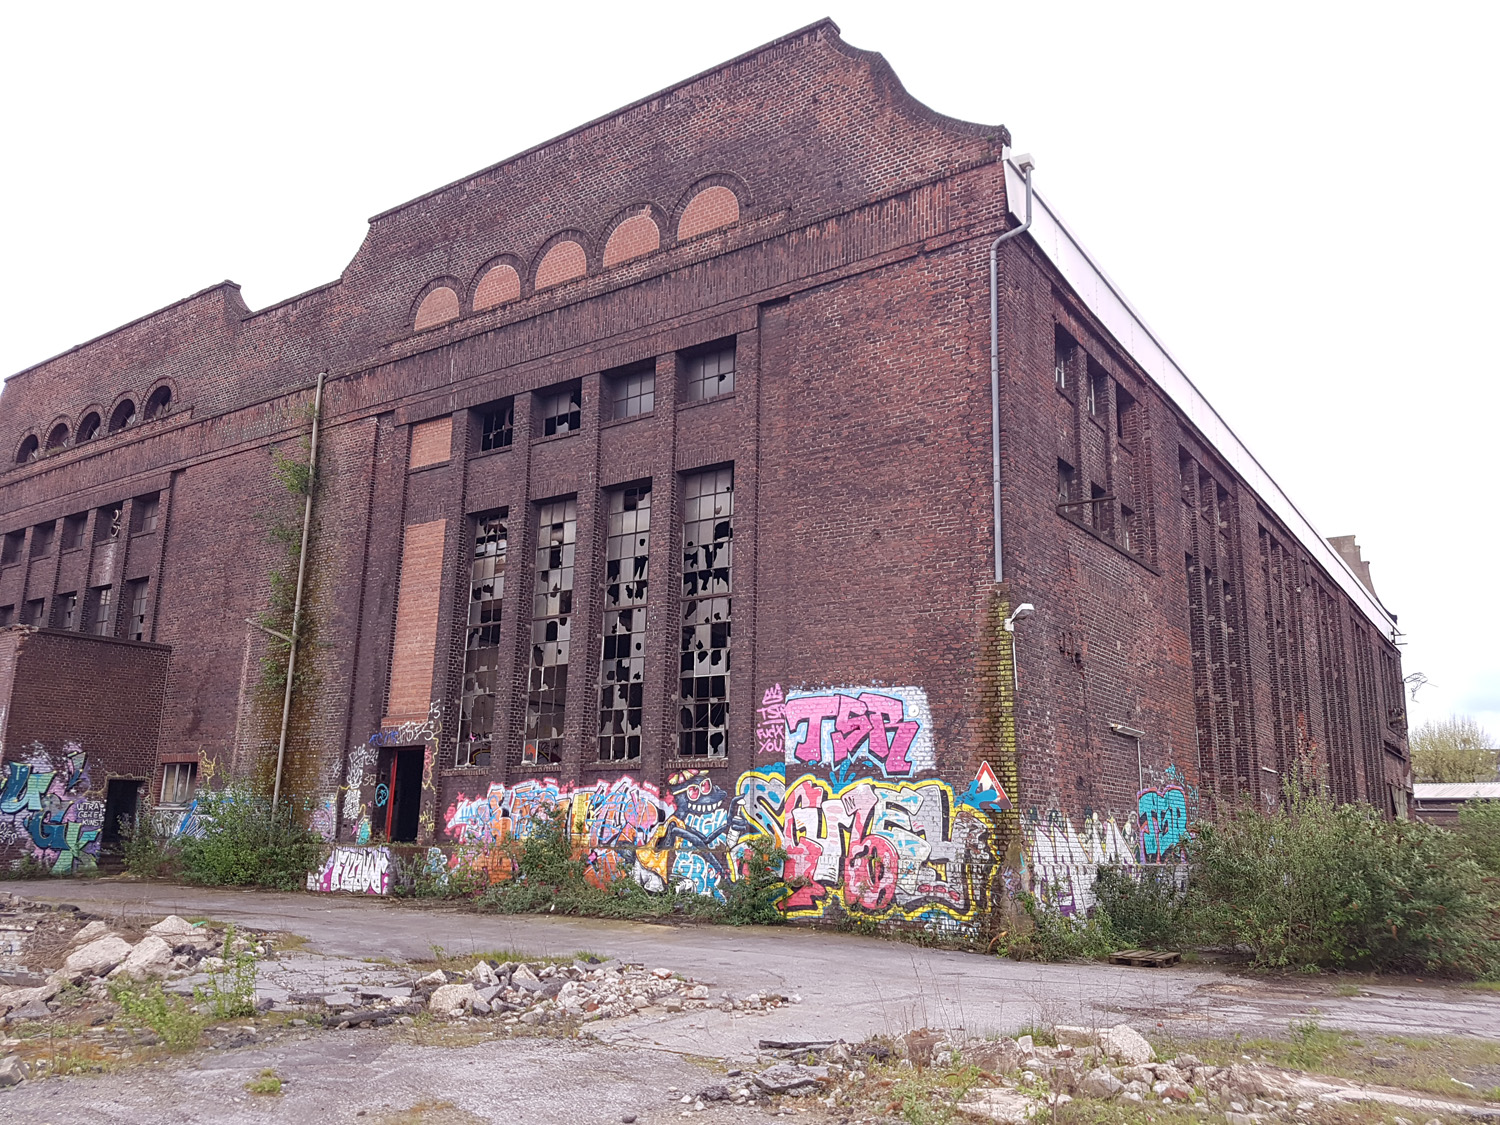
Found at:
(1299, 198)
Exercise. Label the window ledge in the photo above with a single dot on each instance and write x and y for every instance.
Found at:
(688, 404)
(493, 451)
(627, 419)
(545, 438)
(695, 763)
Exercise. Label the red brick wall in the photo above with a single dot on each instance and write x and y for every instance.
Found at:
(416, 620)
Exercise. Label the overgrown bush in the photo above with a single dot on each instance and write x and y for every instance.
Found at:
(147, 852)
(1318, 884)
(241, 843)
(173, 1019)
(1143, 906)
(1051, 935)
(753, 898)
(1478, 834)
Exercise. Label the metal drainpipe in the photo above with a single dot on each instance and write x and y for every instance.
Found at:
(1025, 164)
(291, 659)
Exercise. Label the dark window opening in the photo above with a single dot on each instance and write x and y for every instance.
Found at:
(179, 781)
(497, 425)
(1125, 415)
(121, 801)
(58, 437)
(65, 611)
(551, 617)
(622, 661)
(88, 429)
(1187, 471)
(107, 523)
(707, 567)
(1065, 479)
(28, 449)
(1128, 538)
(159, 404)
(135, 592)
(72, 533)
(32, 612)
(11, 551)
(124, 414)
(41, 539)
(7, 615)
(709, 372)
(1063, 346)
(1097, 497)
(561, 410)
(476, 725)
(631, 391)
(401, 778)
(144, 512)
(1098, 392)
(99, 601)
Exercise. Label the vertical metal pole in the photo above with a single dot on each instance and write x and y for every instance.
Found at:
(291, 659)
(995, 367)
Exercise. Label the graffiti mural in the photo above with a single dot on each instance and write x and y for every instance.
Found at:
(887, 731)
(361, 871)
(1061, 860)
(47, 808)
(913, 850)
(1163, 822)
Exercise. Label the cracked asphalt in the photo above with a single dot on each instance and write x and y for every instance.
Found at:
(850, 987)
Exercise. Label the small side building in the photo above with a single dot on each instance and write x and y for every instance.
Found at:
(1439, 802)
(80, 716)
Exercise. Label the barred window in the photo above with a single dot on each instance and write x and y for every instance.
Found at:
(561, 410)
(709, 372)
(707, 561)
(476, 724)
(632, 392)
(622, 663)
(551, 613)
(179, 780)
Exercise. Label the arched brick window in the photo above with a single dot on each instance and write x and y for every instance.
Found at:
(637, 235)
(88, 429)
(710, 209)
(159, 403)
(58, 437)
(563, 262)
(28, 449)
(438, 307)
(499, 284)
(124, 414)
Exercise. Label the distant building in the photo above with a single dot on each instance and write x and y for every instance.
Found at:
(1440, 802)
(657, 482)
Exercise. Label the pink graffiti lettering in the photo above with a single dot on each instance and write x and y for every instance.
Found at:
(870, 720)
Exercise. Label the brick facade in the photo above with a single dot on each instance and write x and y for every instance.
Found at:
(775, 273)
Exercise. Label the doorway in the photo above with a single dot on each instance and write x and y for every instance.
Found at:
(121, 800)
(400, 792)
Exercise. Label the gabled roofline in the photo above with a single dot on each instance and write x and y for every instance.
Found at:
(1104, 299)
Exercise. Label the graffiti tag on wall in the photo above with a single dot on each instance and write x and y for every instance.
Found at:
(361, 871)
(48, 809)
(887, 731)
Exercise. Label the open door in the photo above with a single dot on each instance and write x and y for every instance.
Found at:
(121, 803)
(398, 796)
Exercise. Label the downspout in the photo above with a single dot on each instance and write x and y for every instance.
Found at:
(1025, 164)
(291, 659)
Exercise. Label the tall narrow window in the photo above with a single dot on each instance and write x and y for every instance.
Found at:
(622, 664)
(551, 613)
(99, 600)
(707, 565)
(41, 539)
(476, 724)
(1125, 416)
(33, 611)
(72, 534)
(11, 552)
(1098, 392)
(561, 410)
(709, 372)
(136, 593)
(1065, 478)
(7, 615)
(1097, 497)
(144, 513)
(497, 424)
(1062, 353)
(65, 610)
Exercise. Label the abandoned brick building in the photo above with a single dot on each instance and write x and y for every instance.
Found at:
(704, 386)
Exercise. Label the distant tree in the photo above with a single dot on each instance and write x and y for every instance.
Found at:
(1453, 749)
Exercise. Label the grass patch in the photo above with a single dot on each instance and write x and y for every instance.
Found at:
(589, 957)
(1347, 990)
(461, 962)
(174, 1020)
(266, 1085)
(926, 1098)
(288, 943)
(429, 1113)
(1041, 1035)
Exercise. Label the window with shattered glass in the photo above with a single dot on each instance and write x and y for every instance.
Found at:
(709, 373)
(561, 410)
(476, 723)
(622, 663)
(551, 614)
(497, 424)
(707, 565)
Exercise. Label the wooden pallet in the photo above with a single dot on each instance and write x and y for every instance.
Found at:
(1148, 958)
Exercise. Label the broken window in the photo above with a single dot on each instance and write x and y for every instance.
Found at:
(1127, 528)
(1097, 499)
(65, 611)
(631, 391)
(7, 615)
(88, 429)
(707, 564)
(41, 539)
(72, 533)
(561, 410)
(99, 600)
(622, 662)
(11, 551)
(1062, 354)
(709, 372)
(179, 780)
(476, 724)
(124, 414)
(107, 523)
(1098, 392)
(29, 448)
(33, 611)
(159, 404)
(144, 512)
(136, 595)
(1125, 416)
(497, 424)
(551, 613)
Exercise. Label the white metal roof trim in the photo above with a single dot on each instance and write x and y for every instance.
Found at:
(1456, 790)
(1106, 302)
